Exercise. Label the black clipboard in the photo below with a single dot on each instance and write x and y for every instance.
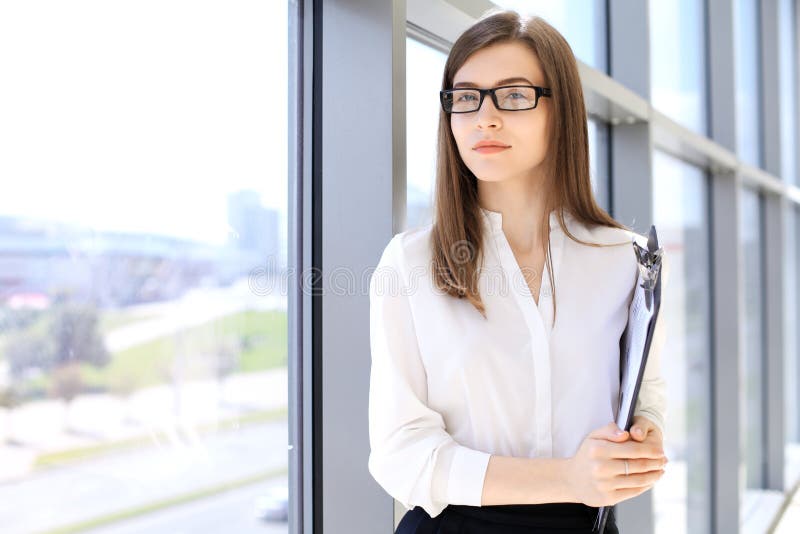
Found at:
(648, 293)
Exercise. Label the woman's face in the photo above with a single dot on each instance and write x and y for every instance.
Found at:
(524, 131)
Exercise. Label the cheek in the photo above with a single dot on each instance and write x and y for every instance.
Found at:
(531, 135)
(459, 131)
(541, 135)
(461, 134)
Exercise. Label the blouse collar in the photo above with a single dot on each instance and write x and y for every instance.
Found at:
(494, 219)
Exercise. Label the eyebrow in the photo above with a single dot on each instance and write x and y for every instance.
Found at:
(504, 81)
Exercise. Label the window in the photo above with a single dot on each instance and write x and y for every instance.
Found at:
(678, 61)
(582, 22)
(748, 94)
(752, 367)
(424, 68)
(598, 162)
(143, 326)
(789, 91)
(792, 348)
(682, 496)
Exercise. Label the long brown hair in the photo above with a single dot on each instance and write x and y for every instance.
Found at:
(457, 238)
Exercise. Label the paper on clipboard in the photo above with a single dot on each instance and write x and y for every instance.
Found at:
(635, 349)
(637, 337)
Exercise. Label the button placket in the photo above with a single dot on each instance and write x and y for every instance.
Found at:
(557, 237)
(535, 322)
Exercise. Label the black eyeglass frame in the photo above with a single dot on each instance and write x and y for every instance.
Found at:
(540, 92)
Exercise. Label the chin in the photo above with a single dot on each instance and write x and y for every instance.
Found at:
(490, 177)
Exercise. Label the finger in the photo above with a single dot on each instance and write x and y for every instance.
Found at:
(637, 465)
(616, 467)
(641, 465)
(641, 427)
(638, 480)
(639, 432)
(631, 449)
(610, 432)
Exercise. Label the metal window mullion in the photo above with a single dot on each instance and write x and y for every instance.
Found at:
(769, 40)
(726, 272)
(794, 14)
(727, 350)
(300, 105)
(796, 198)
(359, 178)
(631, 169)
(770, 87)
(774, 207)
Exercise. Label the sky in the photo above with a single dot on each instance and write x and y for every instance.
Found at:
(141, 116)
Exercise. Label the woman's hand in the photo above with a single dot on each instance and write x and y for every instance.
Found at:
(596, 474)
(644, 430)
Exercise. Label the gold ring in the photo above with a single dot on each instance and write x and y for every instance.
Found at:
(626, 467)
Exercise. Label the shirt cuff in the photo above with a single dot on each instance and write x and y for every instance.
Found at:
(463, 481)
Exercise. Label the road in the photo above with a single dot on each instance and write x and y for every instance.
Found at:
(65, 495)
(231, 511)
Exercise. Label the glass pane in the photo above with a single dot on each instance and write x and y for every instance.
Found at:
(752, 367)
(789, 91)
(682, 497)
(791, 388)
(677, 61)
(598, 162)
(582, 22)
(143, 330)
(424, 68)
(748, 96)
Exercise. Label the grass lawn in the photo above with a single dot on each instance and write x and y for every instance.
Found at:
(112, 319)
(256, 340)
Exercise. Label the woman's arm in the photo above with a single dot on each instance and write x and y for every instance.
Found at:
(512, 480)
(591, 476)
(412, 455)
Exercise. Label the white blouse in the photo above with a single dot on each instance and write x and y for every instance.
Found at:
(449, 388)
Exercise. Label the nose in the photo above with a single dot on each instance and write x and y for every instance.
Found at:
(487, 114)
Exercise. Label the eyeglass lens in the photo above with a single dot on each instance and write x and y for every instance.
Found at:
(508, 98)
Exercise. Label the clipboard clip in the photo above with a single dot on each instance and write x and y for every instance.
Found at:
(649, 262)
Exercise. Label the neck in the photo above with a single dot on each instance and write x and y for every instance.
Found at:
(524, 210)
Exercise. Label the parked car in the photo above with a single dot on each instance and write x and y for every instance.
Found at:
(273, 505)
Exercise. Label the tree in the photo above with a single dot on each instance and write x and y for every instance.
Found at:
(58, 342)
(75, 332)
(76, 339)
(226, 360)
(29, 348)
(65, 384)
(9, 399)
(66, 333)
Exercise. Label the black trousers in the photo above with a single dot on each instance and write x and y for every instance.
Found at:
(555, 518)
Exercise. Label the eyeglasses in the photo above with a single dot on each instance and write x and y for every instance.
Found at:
(508, 98)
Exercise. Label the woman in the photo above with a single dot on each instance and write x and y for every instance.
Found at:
(491, 408)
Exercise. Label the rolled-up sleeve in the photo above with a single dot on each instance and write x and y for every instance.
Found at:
(412, 456)
(652, 400)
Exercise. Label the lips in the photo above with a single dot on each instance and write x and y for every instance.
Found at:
(489, 144)
(490, 149)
